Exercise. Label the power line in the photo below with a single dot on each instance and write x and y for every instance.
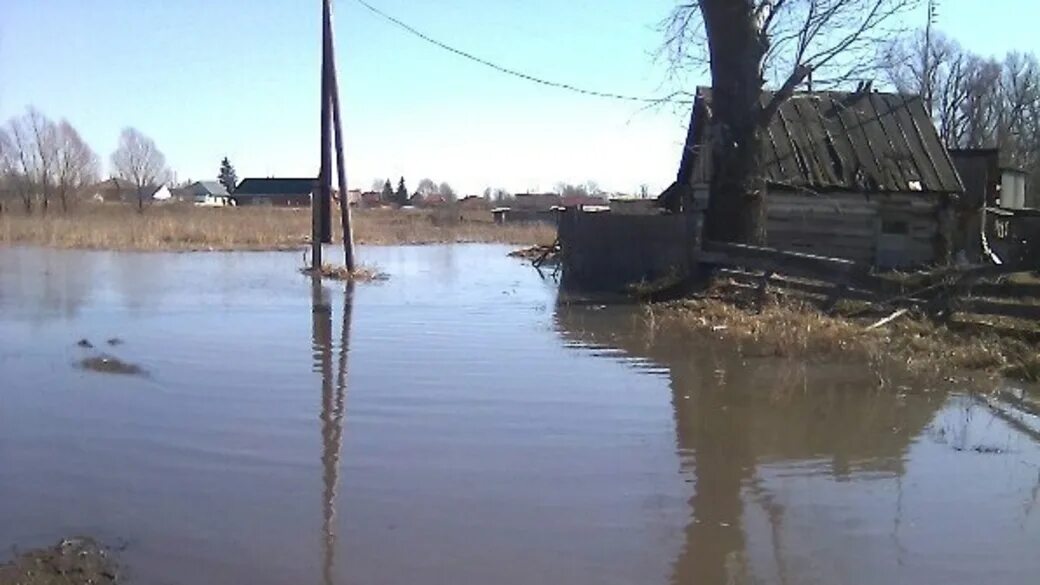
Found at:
(514, 72)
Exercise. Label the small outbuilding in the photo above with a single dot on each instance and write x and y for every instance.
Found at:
(859, 175)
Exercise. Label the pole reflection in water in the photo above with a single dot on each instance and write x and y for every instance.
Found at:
(333, 397)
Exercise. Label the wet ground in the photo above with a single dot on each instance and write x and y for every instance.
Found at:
(456, 424)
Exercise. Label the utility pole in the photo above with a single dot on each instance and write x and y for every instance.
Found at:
(341, 169)
(321, 201)
(927, 76)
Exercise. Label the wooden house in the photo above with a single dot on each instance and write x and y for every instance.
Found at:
(275, 192)
(858, 175)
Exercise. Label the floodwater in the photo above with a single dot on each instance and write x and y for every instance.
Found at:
(457, 425)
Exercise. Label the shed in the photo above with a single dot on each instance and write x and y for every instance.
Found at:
(859, 175)
(275, 192)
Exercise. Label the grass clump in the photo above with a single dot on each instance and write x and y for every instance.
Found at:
(337, 272)
(791, 328)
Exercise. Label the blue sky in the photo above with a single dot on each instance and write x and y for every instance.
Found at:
(208, 78)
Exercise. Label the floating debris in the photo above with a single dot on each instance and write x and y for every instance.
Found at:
(106, 364)
(114, 341)
(85, 343)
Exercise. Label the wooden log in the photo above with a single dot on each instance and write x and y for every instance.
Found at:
(793, 263)
(998, 308)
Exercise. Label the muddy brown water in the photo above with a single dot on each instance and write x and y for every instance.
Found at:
(456, 424)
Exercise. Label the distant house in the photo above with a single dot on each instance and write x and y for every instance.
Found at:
(371, 199)
(114, 190)
(156, 193)
(209, 194)
(182, 195)
(860, 175)
(275, 192)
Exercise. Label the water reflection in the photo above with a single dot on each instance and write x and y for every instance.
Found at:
(333, 396)
(735, 419)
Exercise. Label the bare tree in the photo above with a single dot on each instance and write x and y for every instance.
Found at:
(748, 41)
(426, 188)
(76, 164)
(593, 188)
(500, 195)
(27, 170)
(139, 161)
(7, 166)
(937, 69)
(445, 191)
(45, 140)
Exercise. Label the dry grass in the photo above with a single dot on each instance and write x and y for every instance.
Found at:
(792, 329)
(337, 272)
(183, 227)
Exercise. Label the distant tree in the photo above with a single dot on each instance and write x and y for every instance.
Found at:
(76, 164)
(644, 191)
(426, 188)
(568, 190)
(22, 160)
(388, 192)
(228, 177)
(139, 161)
(500, 196)
(488, 194)
(401, 195)
(377, 185)
(445, 191)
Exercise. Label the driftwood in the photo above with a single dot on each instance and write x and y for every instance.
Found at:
(888, 319)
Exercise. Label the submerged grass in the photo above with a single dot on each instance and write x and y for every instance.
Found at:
(337, 272)
(187, 228)
(791, 328)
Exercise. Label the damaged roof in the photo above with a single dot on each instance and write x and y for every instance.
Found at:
(838, 141)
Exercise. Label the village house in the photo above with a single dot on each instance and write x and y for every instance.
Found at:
(274, 192)
(372, 199)
(117, 190)
(208, 194)
(859, 175)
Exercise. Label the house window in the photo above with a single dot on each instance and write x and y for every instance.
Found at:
(900, 228)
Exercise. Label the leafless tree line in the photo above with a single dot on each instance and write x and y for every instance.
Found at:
(977, 102)
(43, 161)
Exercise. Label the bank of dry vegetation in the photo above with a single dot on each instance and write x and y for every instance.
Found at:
(176, 227)
(794, 328)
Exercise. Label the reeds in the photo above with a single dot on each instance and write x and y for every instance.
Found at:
(790, 328)
(188, 228)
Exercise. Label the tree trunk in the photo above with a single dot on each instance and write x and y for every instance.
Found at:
(737, 204)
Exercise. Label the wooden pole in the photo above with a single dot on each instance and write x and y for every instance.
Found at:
(344, 199)
(320, 199)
